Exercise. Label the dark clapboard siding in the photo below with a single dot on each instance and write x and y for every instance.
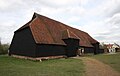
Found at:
(88, 50)
(50, 50)
(23, 43)
(96, 48)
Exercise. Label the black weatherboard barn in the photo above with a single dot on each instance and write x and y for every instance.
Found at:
(43, 37)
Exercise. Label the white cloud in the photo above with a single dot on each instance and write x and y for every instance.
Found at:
(97, 17)
(113, 32)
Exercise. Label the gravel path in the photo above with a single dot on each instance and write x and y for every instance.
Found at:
(94, 67)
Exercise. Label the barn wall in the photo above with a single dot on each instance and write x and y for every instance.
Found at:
(88, 50)
(72, 46)
(101, 50)
(96, 48)
(50, 50)
(23, 43)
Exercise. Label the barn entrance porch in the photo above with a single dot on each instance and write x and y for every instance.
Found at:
(80, 51)
(72, 46)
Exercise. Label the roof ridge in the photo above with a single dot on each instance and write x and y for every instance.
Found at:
(24, 26)
(68, 33)
(75, 35)
(27, 24)
(46, 27)
(58, 22)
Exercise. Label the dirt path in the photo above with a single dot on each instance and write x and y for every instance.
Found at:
(96, 68)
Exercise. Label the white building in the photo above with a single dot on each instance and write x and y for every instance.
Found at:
(112, 48)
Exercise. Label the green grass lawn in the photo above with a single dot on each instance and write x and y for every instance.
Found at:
(10, 66)
(111, 59)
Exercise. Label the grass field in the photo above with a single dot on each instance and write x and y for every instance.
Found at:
(58, 67)
(111, 59)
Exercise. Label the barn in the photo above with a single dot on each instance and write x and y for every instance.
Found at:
(44, 37)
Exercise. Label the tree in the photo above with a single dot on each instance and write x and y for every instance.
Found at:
(0, 41)
(3, 48)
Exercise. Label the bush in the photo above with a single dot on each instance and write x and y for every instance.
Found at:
(1, 49)
(4, 48)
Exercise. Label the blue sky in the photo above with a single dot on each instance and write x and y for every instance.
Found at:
(100, 18)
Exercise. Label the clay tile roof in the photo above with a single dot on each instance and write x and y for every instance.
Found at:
(49, 31)
(109, 45)
(69, 34)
